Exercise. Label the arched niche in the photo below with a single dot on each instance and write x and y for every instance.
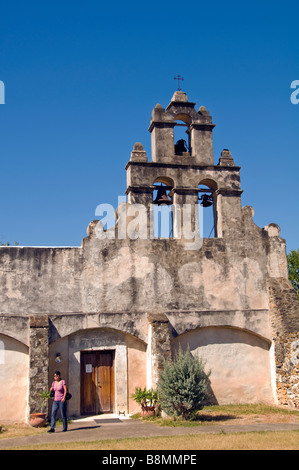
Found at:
(14, 365)
(130, 366)
(238, 359)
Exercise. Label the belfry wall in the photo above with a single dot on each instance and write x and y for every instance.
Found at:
(128, 297)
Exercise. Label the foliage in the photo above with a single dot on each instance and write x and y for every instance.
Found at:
(293, 269)
(8, 244)
(183, 385)
(145, 397)
(45, 395)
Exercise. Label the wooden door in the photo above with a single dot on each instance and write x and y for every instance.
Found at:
(97, 382)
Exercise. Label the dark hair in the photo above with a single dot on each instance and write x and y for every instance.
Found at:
(57, 373)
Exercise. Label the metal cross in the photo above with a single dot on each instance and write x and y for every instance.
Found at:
(178, 78)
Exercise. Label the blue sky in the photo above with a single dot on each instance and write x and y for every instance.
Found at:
(81, 80)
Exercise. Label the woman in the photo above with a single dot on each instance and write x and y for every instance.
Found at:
(60, 391)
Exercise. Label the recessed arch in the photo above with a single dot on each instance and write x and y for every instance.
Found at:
(210, 183)
(239, 361)
(165, 180)
(65, 325)
(183, 117)
(14, 369)
(130, 355)
(204, 329)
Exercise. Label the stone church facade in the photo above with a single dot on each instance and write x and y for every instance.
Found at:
(107, 313)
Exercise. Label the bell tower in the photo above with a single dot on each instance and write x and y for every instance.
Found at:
(185, 168)
(199, 128)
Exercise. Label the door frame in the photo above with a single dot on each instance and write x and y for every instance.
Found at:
(95, 353)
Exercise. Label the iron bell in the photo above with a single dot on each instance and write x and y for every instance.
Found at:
(180, 147)
(162, 197)
(207, 200)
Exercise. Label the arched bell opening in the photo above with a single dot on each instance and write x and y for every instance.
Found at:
(182, 143)
(207, 202)
(162, 210)
(162, 193)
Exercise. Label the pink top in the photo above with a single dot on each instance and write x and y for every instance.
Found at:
(58, 388)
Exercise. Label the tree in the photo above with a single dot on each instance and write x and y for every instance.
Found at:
(293, 269)
(8, 244)
(183, 385)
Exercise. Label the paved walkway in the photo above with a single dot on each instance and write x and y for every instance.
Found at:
(115, 427)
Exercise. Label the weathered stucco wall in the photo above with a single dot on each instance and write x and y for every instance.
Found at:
(139, 275)
(40, 280)
(161, 274)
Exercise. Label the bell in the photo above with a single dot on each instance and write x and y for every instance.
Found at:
(180, 147)
(162, 197)
(207, 200)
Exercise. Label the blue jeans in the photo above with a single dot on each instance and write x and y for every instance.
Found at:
(62, 407)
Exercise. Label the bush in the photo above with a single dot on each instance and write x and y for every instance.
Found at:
(183, 385)
(145, 397)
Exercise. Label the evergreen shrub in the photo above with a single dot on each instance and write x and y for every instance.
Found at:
(183, 385)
